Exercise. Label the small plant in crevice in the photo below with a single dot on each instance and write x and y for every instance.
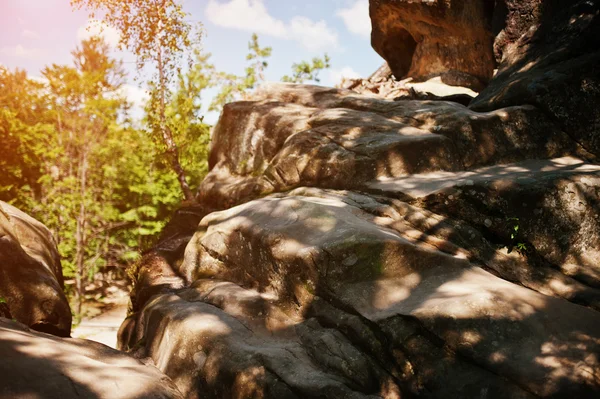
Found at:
(516, 239)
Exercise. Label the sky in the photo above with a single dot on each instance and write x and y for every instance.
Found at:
(36, 33)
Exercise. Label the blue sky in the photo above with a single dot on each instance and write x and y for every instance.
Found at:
(36, 33)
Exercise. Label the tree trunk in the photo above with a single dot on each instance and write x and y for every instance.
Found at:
(167, 136)
(80, 236)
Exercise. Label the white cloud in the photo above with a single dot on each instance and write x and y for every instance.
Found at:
(337, 75)
(22, 52)
(314, 36)
(98, 28)
(30, 34)
(356, 18)
(253, 16)
(248, 15)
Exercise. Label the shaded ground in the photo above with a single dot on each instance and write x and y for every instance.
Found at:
(104, 327)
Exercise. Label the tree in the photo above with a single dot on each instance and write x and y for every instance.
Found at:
(183, 116)
(304, 70)
(85, 107)
(102, 186)
(157, 32)
(24, 133)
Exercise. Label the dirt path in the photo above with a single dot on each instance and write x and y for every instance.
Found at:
(104, 327)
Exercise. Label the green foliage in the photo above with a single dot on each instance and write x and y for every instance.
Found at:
(157, 33)
(515, 236)
(303, 71)
(98, 184)
(183, 117)
(2, 300)
(24, 135)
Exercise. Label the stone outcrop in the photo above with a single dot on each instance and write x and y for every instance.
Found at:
(512, 19)
(333, 138)
(37, 365)
(31, 280)
(554, 65)
(422, 39)
(437, 252)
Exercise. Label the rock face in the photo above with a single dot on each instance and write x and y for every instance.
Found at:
(40, 365)
(424, 38)
(314, 136)
(512, 19)
(354, 247)
(31, 280)
(554, 65)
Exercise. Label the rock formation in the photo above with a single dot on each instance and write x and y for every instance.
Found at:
(511, 19)
(350, 246)
(31, 280)
(36, 365)
(555, 66)
(426, 38)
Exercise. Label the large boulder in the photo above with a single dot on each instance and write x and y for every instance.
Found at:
(37, 365)
(555, 65)
(422, 39)
(31, 280)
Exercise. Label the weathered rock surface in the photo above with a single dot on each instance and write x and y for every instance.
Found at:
(319, 256)
(332, 138)
(512, 19)
(555, 65)
(36, 365)
(385, 86)
(554, 207)
(31, 278)
(422, 39)
(391, 276)
(551, 208)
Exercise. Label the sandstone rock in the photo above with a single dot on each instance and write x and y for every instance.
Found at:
(218, 340)
(549, 207)
(390, 276)
(553, 205)
(365, 298)
(295, 135)
(422, 39)
(512, 19)
(384, 85)
(40, 365)
(31, 279)
(554, 66)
